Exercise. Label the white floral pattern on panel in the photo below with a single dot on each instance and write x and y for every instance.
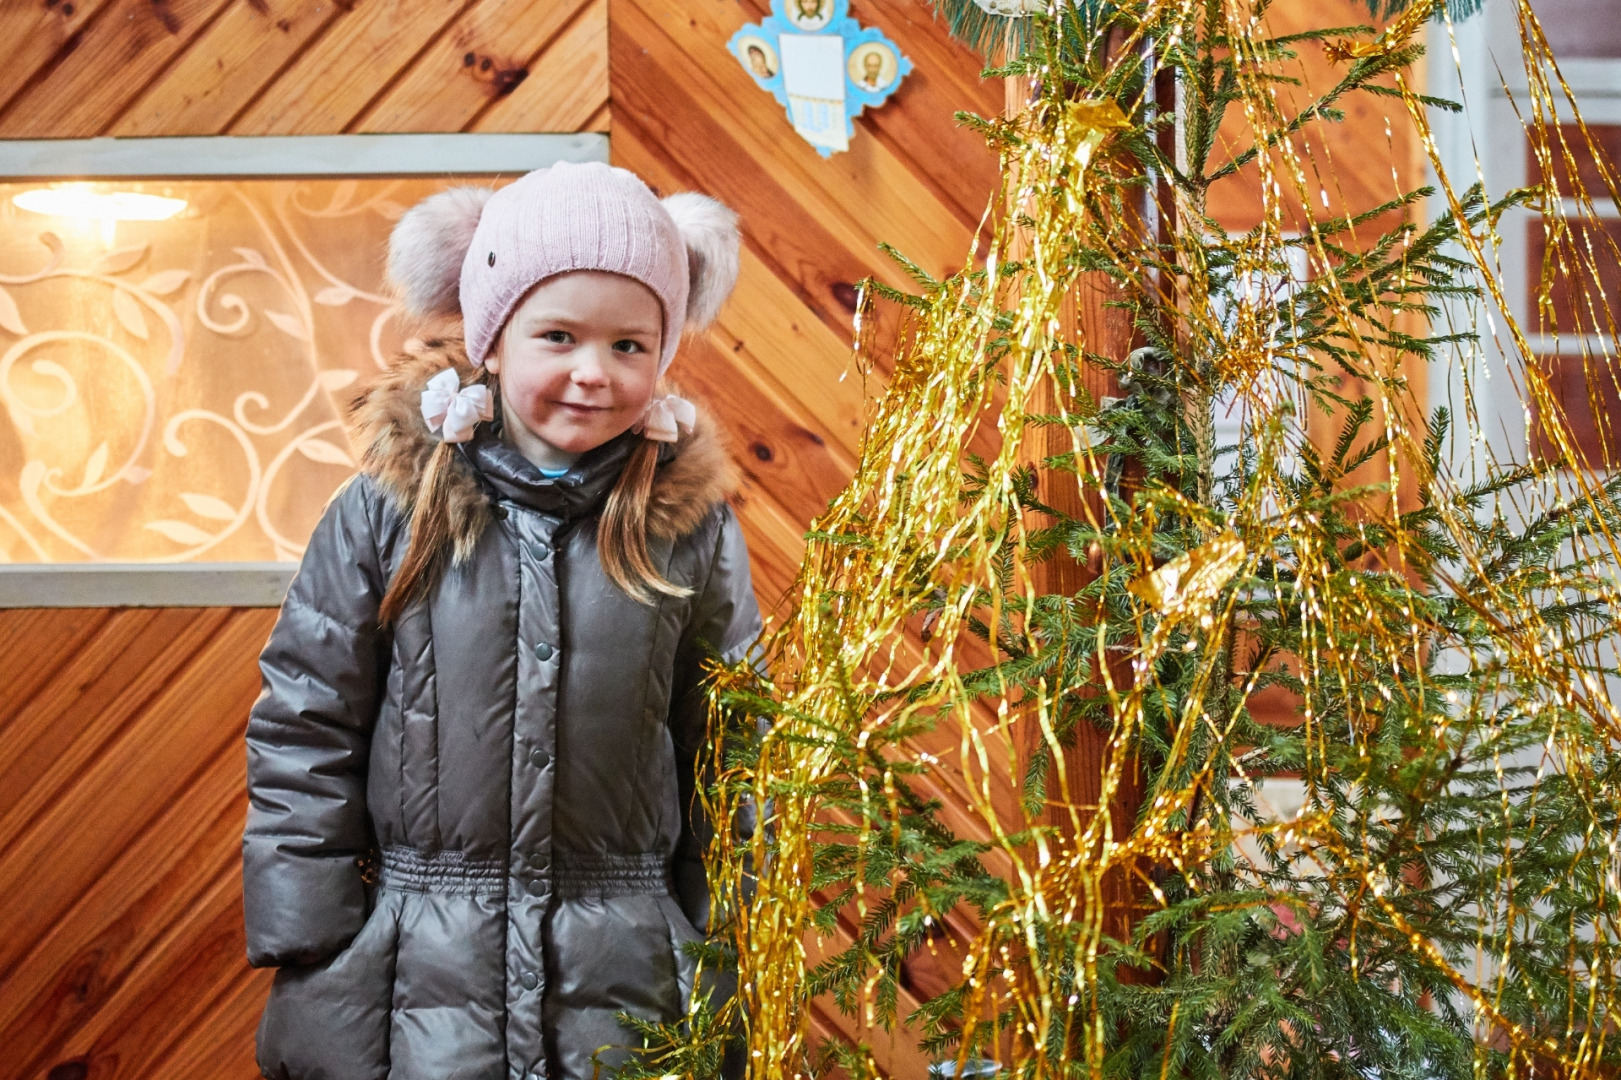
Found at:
(179, 396)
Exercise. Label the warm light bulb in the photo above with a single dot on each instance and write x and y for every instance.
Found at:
(78, 202)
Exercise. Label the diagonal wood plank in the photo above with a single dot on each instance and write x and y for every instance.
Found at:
(768, 328)
(228, 65)
(916, 123)
(221, 1048)
(69, 723)
(36, 643)
(74, 970)
(776, 544)
(33, 36)
(567, 87)
(778, 445)
(482, 57)
(601, 120)
(136, 38)
(176, 989)
(811, 264)
(352, 64)
(736, 159)
(201, 710)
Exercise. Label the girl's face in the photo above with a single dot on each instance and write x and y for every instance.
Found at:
(577, 360)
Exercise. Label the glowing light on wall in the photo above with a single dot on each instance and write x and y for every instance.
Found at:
(86, 202)
(83, 202)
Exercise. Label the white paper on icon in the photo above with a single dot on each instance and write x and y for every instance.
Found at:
(813, 76)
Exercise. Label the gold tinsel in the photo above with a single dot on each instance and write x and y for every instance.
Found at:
(911, 531)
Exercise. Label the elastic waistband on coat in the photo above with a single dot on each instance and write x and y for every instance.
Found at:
(574, 875)
(409, 870)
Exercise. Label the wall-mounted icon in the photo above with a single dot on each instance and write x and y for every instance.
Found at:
(821, 65)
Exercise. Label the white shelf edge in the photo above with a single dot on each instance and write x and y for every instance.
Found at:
(100, 585)
(218, 156)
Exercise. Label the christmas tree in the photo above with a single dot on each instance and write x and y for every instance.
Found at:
(1055, 591)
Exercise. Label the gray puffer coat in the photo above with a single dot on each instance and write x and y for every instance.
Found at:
(514, 758)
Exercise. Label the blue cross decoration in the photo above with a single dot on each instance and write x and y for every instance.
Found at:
(821, 65)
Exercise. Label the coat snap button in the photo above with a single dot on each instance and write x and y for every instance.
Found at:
(543, 652)
(500, 512)
(529, 979)
(540, 862)
(537, 887)
(538, 758)
(540, 550)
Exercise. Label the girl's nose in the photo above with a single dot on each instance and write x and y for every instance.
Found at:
(589, 370)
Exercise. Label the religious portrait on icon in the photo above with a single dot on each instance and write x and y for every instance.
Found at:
(810, 15)
(758, 56)
(873, 66)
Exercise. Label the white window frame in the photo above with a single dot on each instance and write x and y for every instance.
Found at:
(1487, 57)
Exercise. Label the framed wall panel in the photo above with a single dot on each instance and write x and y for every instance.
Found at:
(182, 321)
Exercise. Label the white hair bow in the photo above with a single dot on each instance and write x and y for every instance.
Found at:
(663, 415)
(454, 408)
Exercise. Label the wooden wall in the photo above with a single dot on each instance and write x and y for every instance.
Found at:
(121, 761)
(776, 367)
(121, 808)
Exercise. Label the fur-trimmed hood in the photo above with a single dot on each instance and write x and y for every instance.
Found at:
(386, 428)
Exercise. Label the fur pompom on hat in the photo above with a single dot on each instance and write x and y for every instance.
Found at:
(474, 252)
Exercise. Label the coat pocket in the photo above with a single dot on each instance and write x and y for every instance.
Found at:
(330, 1021)
(715, 985)
(681, 934)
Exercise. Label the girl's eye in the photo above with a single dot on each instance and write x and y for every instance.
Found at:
(626, 345)
(556, 337)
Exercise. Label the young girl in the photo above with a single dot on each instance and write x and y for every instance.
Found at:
(484, 684)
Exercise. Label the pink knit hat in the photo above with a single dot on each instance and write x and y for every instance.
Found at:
(475, 252)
